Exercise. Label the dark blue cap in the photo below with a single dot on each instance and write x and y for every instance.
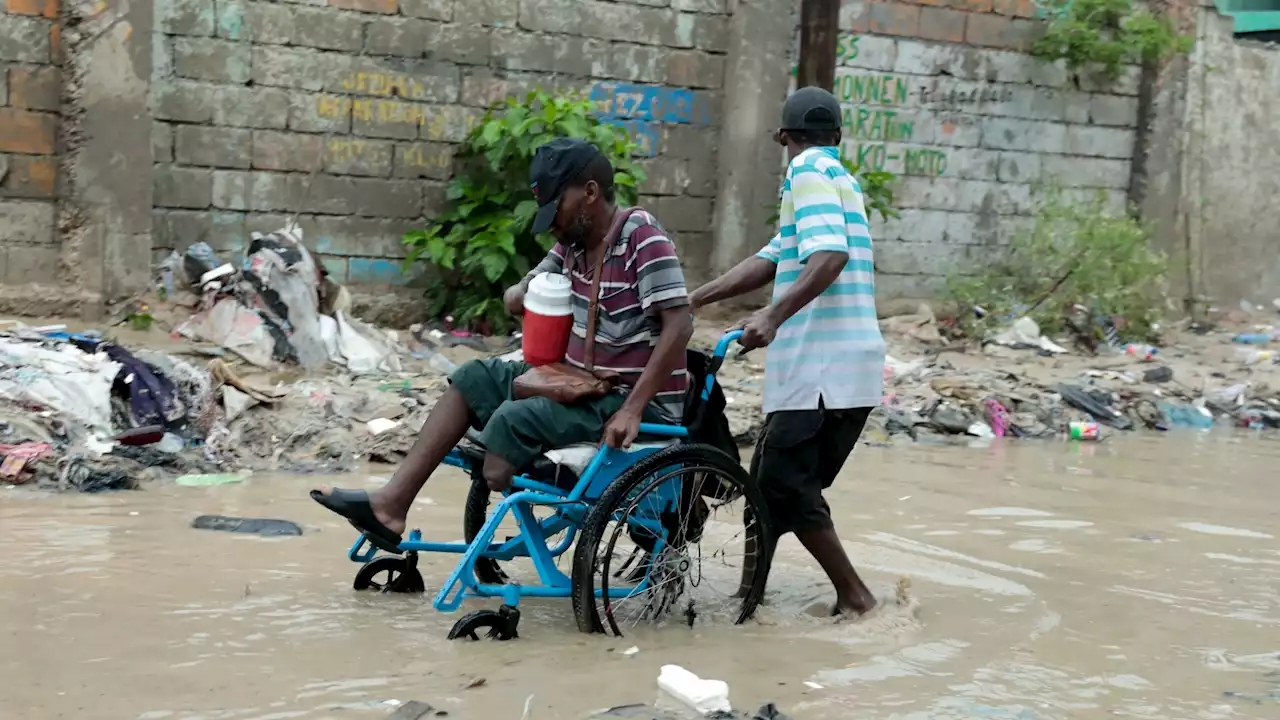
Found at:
(555, 166)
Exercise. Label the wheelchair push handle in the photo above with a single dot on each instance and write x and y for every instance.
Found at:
(722, 347)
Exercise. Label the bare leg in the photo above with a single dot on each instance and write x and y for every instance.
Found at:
(444, 428)
(852, 595)
(497, 472)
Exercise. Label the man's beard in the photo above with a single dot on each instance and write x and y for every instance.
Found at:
(579, 230)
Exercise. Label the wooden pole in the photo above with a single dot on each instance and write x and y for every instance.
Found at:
(819, 28)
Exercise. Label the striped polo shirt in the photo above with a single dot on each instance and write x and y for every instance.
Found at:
(830, 351)
(642, 277)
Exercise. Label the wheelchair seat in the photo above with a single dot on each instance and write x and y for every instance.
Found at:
(560, 467)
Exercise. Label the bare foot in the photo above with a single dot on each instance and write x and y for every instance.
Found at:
(396, 521)
(862, 605)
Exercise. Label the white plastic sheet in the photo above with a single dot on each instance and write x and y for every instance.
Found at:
(66, 379)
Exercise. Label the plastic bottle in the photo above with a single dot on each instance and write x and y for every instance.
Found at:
(1145, 352)
(703, 696)
(1253, 338)
(1253, 357)
(548, 319)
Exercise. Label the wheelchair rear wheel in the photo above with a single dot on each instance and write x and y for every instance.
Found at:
(658, 543)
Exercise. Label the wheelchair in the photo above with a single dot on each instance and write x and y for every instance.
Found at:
(658, 497)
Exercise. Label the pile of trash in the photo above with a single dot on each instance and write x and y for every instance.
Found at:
(279, 307)
(1018, 383)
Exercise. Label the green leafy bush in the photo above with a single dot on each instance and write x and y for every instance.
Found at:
(1076, 253)
(1107, 34)
(483, 242)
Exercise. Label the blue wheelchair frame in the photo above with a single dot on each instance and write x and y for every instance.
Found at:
(571, 510)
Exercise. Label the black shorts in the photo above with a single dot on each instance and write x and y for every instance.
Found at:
(798, 455)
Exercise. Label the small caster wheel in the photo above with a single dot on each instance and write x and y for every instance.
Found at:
(501, 624)
(390, 574)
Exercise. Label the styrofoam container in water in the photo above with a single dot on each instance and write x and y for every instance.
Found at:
(703, 696)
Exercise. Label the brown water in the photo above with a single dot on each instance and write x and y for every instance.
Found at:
(1135, 578)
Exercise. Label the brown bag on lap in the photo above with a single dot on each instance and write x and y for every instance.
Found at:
(565, 383)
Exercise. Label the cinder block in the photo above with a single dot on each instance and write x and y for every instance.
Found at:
(1025, 135)
(385, 198)
(1099, 142)
(35, 88)
(441, 9)
(695, 69)
(370, 238)
(553, 16)
(37, 264)
(370, 158)
(287, 151)
(895, 19)
(179, 187)
(310, 112)
(942, 24)
(384, 7)
(328, 30)
(422, 80)
(161, 142)
(491, 13)
(711, 33)
(252, 107)
(260, 22)
(462, 44)
(684, 213)
(30, 176)
(699, 6)
(1119, 110)
(993, 31)
(404, 37)
(211, 59)
(644, 25)
(448, 123)
(1072, 171)
(186, 17)
(183, 101)
(27, 132)
(213, 146)
(1019, 167)
(291, 68)
(386, 118)
(526, 51)
(24, 39)
(636, 63)
(665, 176)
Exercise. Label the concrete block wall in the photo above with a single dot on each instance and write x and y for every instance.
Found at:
(946, 96)
(349, 111)
(30, 100)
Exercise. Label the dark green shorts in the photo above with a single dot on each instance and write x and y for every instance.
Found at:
(520, 430)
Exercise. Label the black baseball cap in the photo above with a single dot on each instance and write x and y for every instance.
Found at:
(811, 108)
(555, 165)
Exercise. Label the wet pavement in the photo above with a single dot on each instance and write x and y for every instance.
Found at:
(1134, 578)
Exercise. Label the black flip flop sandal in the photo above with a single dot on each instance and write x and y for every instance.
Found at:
(354, 506)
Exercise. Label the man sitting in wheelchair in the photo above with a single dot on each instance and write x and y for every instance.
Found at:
(641, 330)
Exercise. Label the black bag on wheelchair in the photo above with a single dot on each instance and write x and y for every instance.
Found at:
(705, 419)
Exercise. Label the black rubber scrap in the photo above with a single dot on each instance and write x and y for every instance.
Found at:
(1081, 399)
(252, 526)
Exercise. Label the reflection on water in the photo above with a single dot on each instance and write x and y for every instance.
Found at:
(1136, 578)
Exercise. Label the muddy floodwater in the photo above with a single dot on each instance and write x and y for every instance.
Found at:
(1134, 578)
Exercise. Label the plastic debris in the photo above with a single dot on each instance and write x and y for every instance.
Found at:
(210, 479)
(701, 695)
(250, 526)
